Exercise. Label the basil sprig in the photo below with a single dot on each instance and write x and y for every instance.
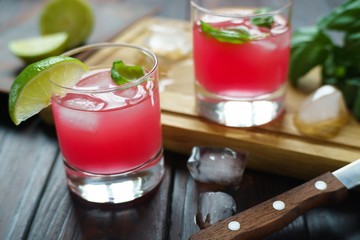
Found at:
(122, 73)
(235, 35)
(238, 34)
(263, 21)
(340, 63)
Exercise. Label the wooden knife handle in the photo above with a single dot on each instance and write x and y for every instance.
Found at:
(276, 213)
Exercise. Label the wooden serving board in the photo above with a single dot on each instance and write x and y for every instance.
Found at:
(277, 147)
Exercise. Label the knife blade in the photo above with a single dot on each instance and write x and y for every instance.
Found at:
(276, 213)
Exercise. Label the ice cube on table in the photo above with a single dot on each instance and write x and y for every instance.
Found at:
(322, 114)
(214, 207)
(222, 166)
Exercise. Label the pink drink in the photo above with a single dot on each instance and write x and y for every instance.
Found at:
(242, 70)
(110, 132)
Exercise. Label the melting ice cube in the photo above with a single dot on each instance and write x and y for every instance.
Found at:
(80, 111)
(322, 114)
(266, 44)
(222, 166)
(99, 81)
(83, 102)
(214, 207)
(127, 93)
(169, 42)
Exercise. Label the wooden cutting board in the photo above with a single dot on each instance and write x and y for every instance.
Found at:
(277, 147)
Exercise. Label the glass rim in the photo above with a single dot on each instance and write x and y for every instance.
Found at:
(104, 45)
(287, 4)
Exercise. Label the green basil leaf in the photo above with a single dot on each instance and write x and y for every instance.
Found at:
(348, 90)
(341, 65)
(343, 18)
(230, 34)
(341, 70)
(352, 42)
(356, 105)
(263, 21)
(310, 47)
(122, 73)
(351, 93)
(335, 66)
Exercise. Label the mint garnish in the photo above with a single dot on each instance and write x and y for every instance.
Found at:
(230, 34)
(122, 73)
(339, 59)
(265, 21)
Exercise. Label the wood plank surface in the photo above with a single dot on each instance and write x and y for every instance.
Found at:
(66, 216)
(26, 159)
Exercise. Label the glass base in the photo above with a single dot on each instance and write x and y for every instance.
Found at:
(116, 188)
(240, 112)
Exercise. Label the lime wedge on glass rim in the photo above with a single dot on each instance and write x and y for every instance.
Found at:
(31, 91)
(36, 48)
(72, 16)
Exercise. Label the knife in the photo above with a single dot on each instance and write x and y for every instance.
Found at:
(276, 213)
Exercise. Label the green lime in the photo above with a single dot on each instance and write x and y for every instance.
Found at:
(72, 16)
(36, 48)
(31, 91)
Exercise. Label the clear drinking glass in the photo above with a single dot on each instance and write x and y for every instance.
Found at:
(110, 135)
(241, 55)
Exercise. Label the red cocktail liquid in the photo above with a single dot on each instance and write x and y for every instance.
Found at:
(242, 70)
(111, 132)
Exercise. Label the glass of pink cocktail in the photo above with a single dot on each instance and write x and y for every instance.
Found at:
(110, 133)
(241, 55)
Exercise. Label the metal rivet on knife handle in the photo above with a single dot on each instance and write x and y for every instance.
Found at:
(320, 185)
(234, 225)
(279, 205)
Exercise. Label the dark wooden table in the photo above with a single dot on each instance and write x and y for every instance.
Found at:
(36, 204)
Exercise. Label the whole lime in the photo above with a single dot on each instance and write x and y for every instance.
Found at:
(75, 17)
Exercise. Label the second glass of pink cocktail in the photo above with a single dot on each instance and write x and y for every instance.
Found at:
(110, 134)
(241, 56)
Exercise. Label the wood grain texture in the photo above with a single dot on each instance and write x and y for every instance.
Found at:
(337, 221)
(26, 158)
(66, 216)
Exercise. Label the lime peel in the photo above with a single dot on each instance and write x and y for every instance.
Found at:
(31, 91)
(76, 17)
(36, 48)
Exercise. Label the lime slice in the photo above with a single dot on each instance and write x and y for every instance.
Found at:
(37, 48)
(32, 91)
(72, 16)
